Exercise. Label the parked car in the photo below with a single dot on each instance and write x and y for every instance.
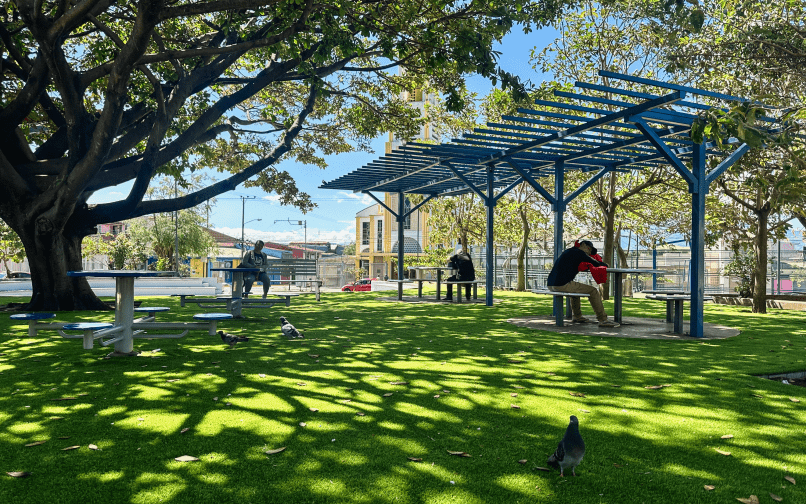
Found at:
(18, 274)
(365, 284)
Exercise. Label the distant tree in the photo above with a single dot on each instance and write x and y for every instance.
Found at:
(11, 247)
(349, 249)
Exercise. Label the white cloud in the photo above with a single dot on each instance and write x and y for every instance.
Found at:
(273, 198)
(358, 197)
(344, 236)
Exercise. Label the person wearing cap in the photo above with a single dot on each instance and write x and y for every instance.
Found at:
(256, 259)
(561, 279)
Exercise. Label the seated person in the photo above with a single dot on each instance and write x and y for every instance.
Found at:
(561, 279)
(255, 259)
(463, 264)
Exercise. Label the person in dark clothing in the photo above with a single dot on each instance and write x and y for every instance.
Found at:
(463, 264)
(256, 259)
(561, 279)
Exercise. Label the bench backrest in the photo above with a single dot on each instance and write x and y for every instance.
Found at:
(292, 267)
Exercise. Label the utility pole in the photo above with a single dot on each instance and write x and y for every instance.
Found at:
(176, 232)
(243, 213)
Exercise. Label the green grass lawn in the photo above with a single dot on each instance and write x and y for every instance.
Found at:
(374, 383)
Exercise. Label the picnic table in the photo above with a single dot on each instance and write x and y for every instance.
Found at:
(126, 328)
(618, 278)
(438, 269)
(235, 303)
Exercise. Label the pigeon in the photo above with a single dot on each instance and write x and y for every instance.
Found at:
(289, 331)
(570, 450)
(231, 339)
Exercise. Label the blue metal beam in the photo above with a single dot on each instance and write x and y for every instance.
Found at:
(559, 210)
(726, 163)
(531, 181)
(400, 243)
(667, 85)
(588, 183)
(697, 281)
(464, 179)
(609, 118)
(665, 151)
(504, 191)
(490, 266)
(423, 202)
(392, 212)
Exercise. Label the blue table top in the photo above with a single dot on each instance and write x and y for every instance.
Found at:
(237, 270)
(117, 273)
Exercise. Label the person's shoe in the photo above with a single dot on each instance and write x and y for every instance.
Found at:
(264, 295)
(581, 320)
(608, 323)
(448, 298)
(245, 295)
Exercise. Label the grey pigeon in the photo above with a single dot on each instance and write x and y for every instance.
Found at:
(289, 331)
(231, 339)
(571, 449)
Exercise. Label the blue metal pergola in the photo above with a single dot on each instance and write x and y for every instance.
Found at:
(598, 130)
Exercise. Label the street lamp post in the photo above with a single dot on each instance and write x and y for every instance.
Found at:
(243, 211)
(303, 223)
(243, 241)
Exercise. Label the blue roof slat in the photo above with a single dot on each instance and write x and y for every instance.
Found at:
(668, 85)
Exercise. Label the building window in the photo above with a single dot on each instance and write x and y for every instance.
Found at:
(406, 210)
(365, 233)
(379, 237)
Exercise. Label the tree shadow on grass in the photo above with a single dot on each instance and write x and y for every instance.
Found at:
(644, 444)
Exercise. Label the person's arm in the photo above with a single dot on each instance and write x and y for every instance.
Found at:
(248, 260)
(581, 256)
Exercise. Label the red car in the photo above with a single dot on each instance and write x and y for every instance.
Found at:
(365, 284)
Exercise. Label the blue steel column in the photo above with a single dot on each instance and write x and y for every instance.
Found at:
(654, 266)
(559, 210)
(490, 267)
(400, 218)
(697, 282)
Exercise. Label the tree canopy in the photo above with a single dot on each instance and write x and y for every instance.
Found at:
(99, 93)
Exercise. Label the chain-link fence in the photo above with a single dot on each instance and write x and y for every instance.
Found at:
(786, 269)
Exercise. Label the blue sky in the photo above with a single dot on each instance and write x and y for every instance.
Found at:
(334, 218)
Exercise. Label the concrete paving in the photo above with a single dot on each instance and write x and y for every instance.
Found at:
(633, 327)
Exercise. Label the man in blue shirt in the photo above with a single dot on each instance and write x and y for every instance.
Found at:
(561, 279)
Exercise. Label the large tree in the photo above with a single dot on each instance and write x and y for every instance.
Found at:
(756, 50)
(98, 93)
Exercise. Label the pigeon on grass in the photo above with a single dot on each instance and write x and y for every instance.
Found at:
(289, 331)
(231, 339)
(571, 449)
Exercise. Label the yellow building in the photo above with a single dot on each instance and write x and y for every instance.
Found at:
(376, 229)
(377, 239)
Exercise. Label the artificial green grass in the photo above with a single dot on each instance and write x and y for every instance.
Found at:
(643, 445)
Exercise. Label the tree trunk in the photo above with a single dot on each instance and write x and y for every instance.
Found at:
(51, 254)
(522, 251)
(760, 270)
(626, 286)
(609, 239)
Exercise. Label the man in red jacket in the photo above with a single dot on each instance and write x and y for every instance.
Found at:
(561, 279)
